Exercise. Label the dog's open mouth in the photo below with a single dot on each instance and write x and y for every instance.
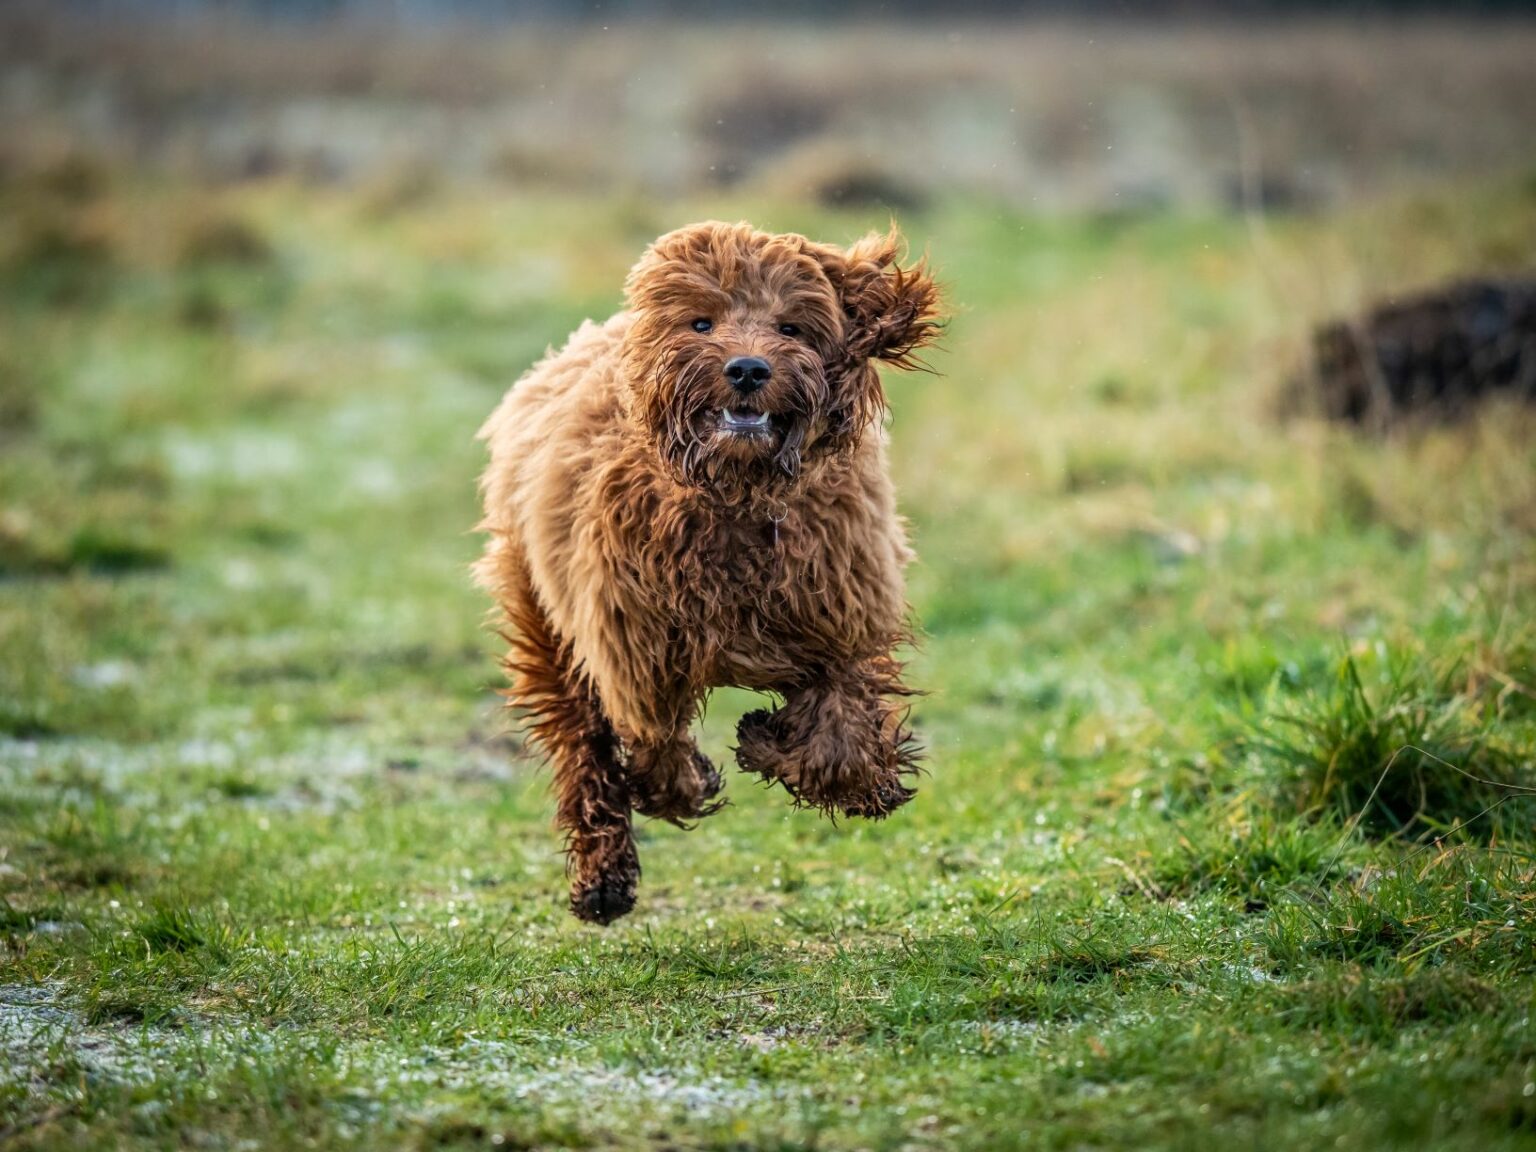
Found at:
(744, 422)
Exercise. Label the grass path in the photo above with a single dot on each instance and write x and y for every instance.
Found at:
(274, 871)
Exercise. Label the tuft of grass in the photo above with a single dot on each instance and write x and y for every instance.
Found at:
(240, 786)
(14, 920)
(1412, 754)
(223, 240)
(1467, 905)
(1358, 998)
(171, 928)
(57, 261)
(1501, 671)
(1254, 857)
(33, 547)
(1083, 958)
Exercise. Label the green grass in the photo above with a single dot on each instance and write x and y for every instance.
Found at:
(273, 865)
(1415, 756)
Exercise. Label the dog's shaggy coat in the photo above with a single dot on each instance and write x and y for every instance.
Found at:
(658, 529)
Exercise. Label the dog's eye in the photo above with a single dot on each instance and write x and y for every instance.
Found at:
(789, 330)
(703, 324)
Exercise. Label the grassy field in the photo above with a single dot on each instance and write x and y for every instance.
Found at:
(275, 870)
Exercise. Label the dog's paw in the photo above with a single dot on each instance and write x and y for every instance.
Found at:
(688, 795)
(886, 792)
(604, 900)
(759, 747)
(843, 773)
(710, 782)
(768, 745)
(604, 871)
(887, 796)
(757, 724)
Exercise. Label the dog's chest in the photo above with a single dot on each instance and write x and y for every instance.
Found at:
(742, 604)
(733, 570)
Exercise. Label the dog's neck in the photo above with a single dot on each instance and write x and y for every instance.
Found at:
(747, 499)
(764, 493)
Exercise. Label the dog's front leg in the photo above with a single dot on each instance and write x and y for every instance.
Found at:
(567, 719)
(668, 777)
(593, 807)
(839, 743)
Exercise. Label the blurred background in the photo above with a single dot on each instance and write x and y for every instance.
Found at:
(1050, 107)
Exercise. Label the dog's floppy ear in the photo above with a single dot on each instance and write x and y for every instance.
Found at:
(890, 311)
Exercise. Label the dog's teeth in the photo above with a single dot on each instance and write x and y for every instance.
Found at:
(744, 420)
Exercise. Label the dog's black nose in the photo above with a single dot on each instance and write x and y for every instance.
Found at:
(747, 373)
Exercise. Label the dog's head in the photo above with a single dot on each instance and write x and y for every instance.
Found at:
(750, 352)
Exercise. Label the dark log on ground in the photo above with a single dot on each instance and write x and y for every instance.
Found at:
(1433, 355)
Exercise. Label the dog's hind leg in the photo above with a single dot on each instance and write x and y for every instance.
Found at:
(566, 718)
(839, 743)
(593, 808)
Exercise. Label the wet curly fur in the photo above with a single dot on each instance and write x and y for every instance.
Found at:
(656, 531)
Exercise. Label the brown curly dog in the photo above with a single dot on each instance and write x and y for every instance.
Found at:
(692, 495)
